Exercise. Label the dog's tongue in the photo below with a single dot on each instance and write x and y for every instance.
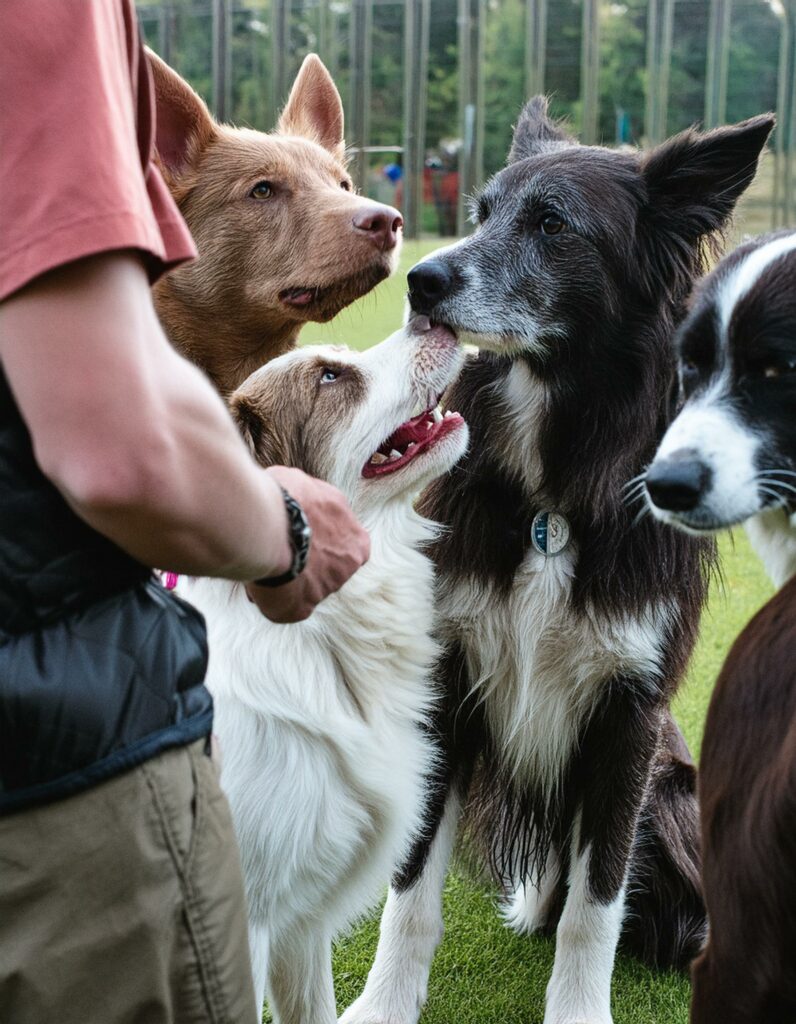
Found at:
(421, 324)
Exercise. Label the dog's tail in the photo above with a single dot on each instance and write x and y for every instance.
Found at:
(665, 921)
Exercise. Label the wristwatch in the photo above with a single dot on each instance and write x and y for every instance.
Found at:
(300, 533)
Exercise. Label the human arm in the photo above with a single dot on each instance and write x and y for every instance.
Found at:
(141, 446)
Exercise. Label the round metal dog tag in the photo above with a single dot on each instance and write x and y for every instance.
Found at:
(550, 533)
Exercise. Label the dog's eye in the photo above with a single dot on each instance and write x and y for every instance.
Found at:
(772, 370)
(329, 376)
(689, 373)
(262, 190)
(551, 224)
(345, 185)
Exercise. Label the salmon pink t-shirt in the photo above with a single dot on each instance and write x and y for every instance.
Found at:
(76, 136)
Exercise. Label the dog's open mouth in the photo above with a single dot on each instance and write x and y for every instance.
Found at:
(410, 440)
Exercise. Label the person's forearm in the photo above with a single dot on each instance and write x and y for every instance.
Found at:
(135, 438)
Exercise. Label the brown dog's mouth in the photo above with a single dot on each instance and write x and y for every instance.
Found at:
(411, 439)
(299, 296)
(325, 301)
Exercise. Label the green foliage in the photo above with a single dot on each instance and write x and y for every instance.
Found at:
(324, 25)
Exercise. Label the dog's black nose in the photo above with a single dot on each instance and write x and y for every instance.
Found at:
(678, 483)
(429, 282)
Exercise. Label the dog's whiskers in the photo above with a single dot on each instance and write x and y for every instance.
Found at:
(642, 513)
(636, 494)
(635, 481)
(779, 499)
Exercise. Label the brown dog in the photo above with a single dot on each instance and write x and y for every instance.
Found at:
(282, 237)
(747, 790)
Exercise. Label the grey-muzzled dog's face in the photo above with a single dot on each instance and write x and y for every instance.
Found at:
(548, 256)
(573, 240)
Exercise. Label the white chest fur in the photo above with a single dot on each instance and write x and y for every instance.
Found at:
(537, 666)
(773, 536)
(323, 760)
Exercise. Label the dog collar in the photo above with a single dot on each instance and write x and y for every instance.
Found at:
(550, 533)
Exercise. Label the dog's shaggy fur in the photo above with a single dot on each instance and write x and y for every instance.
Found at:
(730, 457)
(282, 237)
(559, 668)
(323, 723)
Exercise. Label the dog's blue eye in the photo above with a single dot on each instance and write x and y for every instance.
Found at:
(328, 376)
(262, 190)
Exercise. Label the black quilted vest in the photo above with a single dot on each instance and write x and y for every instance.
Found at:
(100, 667)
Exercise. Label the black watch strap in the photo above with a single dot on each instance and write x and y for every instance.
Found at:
(300, 534)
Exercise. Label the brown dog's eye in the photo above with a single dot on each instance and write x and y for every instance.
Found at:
(345, 185)
(551, 224)
(262, 190)
(329, 376)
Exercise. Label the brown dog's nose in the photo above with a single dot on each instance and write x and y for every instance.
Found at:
(380, 223)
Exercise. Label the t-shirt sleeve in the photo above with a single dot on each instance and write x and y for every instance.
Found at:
(76, 118)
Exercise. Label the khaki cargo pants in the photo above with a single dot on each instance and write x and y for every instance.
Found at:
(124, 904)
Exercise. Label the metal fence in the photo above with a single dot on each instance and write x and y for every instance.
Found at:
(431, 87)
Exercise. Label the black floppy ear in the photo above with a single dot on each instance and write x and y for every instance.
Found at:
(695, 179)
(533, 129)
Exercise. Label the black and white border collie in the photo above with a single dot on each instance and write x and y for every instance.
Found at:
(324, 723)
(730, 457)
(566, 628)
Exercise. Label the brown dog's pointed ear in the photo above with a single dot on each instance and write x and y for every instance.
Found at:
(314, 109)
(534, 128)
(696, 178)
(184, 125)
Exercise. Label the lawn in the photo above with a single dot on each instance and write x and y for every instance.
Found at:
(484, 974)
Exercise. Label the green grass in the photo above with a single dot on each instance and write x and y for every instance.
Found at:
(483, 973)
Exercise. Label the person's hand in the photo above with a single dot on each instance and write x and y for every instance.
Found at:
(338, 548)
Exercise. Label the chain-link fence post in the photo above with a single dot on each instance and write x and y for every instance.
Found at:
(417, 19)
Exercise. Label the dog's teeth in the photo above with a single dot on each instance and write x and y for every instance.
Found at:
(435, 412)
(394, 454)
(377, 458)
(448, 415)
(411, 445)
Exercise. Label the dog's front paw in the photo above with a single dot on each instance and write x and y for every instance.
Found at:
(364, 1012)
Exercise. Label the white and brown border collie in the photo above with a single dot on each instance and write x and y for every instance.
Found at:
(730, 457)
(323, 723)
(567, 628)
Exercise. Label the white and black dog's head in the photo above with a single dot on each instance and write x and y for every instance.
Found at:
(367, 422)
(731, 452)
